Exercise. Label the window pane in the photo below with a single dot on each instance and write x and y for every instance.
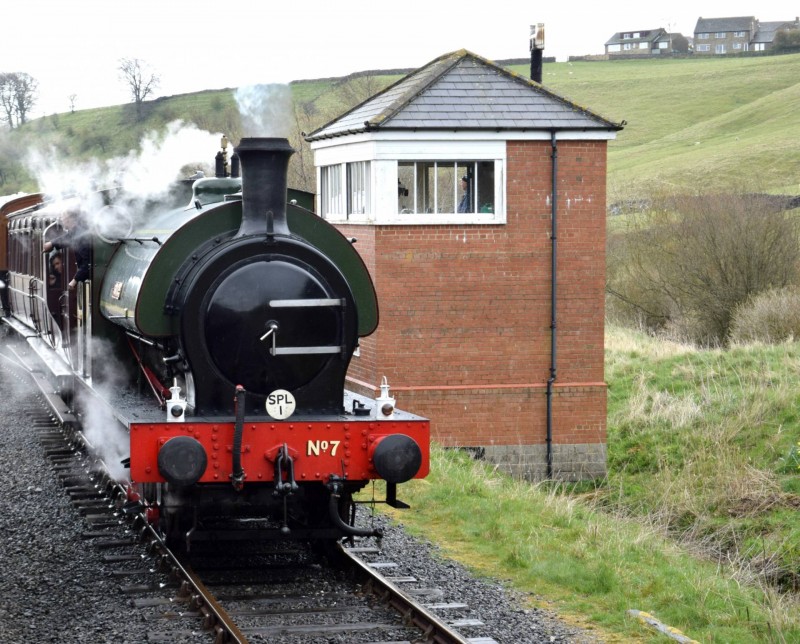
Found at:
(331, 192)
(446, 187)
(405, 187)
(485, 186)
(358, 187)
(466, 183)
(426, 185)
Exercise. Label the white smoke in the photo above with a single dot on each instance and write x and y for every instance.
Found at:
(149, 171)
(265, 109)
(108, 439)
(141, 177)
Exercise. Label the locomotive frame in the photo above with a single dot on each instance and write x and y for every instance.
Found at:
(232, 321)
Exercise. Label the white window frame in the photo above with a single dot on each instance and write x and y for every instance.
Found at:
(720, 35)
(358, 189)
(386, 151)
(703, 47)
(720, 48)
(345, 191)
(703, 36)
(431, 184)
(332, 191)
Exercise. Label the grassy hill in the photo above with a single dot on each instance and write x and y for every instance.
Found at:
(692, 124)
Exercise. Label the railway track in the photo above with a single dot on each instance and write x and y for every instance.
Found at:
(232, 586)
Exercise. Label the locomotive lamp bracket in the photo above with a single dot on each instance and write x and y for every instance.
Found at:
(360, 409)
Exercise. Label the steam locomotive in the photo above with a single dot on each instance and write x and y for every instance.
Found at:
(230, 323)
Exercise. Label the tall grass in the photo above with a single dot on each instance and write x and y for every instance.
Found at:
(696, 523)
(698, 445)
(592, 565)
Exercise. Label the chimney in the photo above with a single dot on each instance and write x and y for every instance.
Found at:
(264, 165)
(537, 51)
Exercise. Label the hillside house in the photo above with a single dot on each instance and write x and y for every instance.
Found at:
(491, 288)
(765, 35)
(737, 35)
(646, 42)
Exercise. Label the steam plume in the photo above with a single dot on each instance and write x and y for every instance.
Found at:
(265, 109)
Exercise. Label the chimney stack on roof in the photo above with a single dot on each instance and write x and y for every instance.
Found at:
(537, 51)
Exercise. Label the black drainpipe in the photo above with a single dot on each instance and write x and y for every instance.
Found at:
(553, 267)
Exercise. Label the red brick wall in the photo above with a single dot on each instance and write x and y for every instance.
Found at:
(464, 333)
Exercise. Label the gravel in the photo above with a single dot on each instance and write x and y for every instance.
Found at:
(55, 588)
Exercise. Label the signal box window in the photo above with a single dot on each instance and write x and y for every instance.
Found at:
(358, 182)
(445, 187)
(345, 190)
(331, 201)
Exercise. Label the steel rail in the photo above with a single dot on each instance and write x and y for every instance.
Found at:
(434, 630)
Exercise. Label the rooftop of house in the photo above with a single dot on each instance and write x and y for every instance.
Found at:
(463, 91)
(712, 25)
(645, 35)
(767, 30)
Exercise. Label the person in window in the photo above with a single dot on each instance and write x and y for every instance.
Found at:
(465, 205)
(56, 268)
(78, 239)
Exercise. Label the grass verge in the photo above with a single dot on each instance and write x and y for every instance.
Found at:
(696, 523)
(588, 565)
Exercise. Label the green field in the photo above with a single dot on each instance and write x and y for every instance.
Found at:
(693, 124)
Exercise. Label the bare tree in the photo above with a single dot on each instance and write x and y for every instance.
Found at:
(686, 266)
(141, 81)
(6, 100)
(17, 97)
(357, 88)
(301, 166)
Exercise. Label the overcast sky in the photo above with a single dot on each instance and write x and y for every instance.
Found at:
(74, 46)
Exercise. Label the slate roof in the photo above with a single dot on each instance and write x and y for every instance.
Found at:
(462, 91)
(713, 25)
(647, 35)
(767, 30)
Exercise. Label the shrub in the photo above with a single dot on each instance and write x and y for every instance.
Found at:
(769, 317)
(687, 264)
